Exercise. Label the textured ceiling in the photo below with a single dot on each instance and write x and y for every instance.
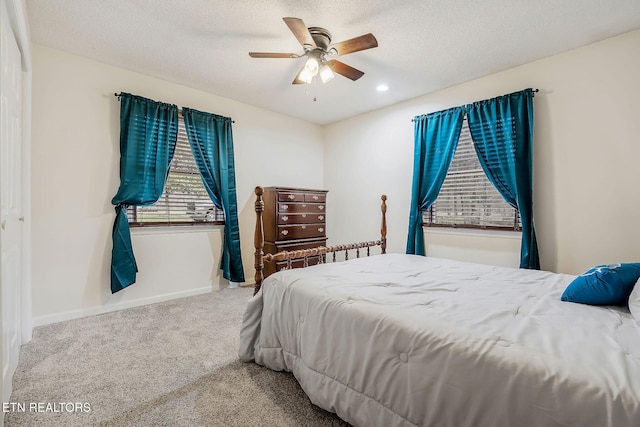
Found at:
(424, 45)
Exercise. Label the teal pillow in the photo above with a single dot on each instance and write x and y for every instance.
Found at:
(609, 284)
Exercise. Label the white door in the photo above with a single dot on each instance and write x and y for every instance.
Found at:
(11, 219)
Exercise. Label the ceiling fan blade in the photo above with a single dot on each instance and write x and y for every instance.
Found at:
(300, 30)
(345, 70)
(356, 44)
(273, 55)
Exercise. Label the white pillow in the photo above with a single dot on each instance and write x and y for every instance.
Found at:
(634, 301)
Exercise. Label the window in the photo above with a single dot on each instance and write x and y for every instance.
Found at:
(467, 198)
(185, 200)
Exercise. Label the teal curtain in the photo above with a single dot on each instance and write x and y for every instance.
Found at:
(435, 140)
(148, 134)
(212, 144)
(502, 132)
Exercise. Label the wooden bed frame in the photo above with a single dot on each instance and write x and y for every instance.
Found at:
(261, 258)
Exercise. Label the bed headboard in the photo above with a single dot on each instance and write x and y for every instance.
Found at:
(261, 258)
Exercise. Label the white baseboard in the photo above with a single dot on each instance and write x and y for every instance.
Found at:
(76, 314)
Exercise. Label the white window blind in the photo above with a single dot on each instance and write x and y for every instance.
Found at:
(467, 198)
(184, 200)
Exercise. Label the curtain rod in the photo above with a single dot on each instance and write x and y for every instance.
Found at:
(533, 90)
(117, 95)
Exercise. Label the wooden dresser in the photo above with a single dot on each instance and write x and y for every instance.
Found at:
(294, 218)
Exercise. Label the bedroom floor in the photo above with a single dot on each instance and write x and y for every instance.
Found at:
(166, 364)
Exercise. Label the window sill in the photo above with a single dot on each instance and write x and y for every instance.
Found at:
(498, 234)
(162, 229)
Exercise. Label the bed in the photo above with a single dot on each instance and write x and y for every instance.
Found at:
(404, 340)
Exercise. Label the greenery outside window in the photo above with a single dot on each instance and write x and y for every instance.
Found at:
(184, 201)
(467, 198)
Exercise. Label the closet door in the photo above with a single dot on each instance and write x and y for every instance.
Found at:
(11, 212)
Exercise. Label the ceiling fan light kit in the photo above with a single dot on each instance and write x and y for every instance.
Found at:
(316, 42)
(326, 74)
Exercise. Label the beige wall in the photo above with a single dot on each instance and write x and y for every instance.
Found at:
(587, 122)
(586, 175)
(75, 174)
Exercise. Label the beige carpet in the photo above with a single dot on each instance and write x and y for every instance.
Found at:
(168, 364)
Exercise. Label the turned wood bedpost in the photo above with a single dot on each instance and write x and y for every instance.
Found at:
(258, 240)
(383, 229)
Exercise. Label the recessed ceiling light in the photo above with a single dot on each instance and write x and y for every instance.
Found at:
(382, 88)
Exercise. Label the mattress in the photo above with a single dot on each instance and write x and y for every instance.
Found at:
(405, 340)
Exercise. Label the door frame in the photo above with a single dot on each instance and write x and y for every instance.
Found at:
(16, 15)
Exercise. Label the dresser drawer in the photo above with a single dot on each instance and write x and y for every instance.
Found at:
(289, 232)
(291, 245)
(315, 197)
(291, 196)
(301, 218)
(301, 208)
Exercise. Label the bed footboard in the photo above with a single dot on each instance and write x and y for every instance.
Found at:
(322, 251)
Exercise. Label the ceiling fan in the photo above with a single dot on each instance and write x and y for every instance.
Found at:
(316, 42)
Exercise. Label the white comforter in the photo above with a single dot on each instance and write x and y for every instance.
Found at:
(402, 340)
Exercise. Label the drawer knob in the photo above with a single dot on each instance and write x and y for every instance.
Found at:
(291, 196)
(321, 207)
(321, 229)
(320, 217)
(315, 197)
(285, 232)
(285, 207)
(285, 218)
(303, 227)
(304, 215)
